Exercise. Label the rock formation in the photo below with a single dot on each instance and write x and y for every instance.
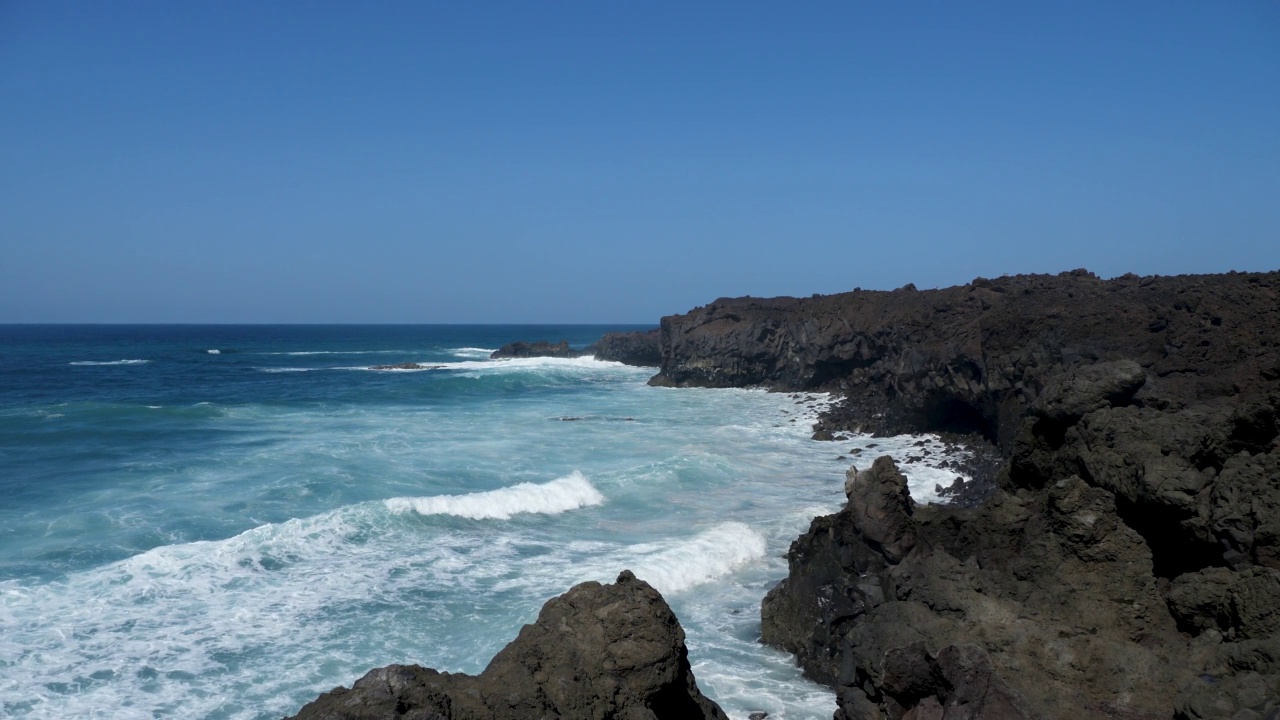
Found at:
(631, 348)
(598, 651)
(1129, 564)
(975, 357)
(538, 348)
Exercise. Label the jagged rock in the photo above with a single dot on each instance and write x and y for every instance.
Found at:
(598, 651)
(958, 684)
(1054, 583)
(975, 358)
(1124, 568)
(630, 348)
(881, 502)
(539, 348)
(404, 366)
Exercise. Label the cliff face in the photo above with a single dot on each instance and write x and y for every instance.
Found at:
(1129, 564)
(975, 357)
(598, 651)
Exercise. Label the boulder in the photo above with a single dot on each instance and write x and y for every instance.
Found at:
(598, 651)
(1073, 394)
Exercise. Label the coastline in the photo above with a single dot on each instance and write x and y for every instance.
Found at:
(1125, 564)
(1136, 515)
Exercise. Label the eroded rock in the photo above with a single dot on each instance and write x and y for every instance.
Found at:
(598, 651)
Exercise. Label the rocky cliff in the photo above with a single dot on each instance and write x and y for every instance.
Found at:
(975, 357)
(598, 651)
(630, 348)
(1127, 567)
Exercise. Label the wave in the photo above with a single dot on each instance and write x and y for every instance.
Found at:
(474, 353)
(567, 493)
(574, 365)
(214, 352)
(707, 556)
(109, 362)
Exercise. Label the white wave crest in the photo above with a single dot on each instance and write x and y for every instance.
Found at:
(705, 557)
(567, 493)
(109, 362)
(335, 352)
(475, 353)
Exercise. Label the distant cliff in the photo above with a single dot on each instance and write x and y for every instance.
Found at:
(974, 357)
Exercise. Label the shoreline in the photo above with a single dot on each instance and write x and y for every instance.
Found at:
(1125, 561)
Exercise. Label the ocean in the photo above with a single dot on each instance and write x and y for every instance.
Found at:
(224, 521)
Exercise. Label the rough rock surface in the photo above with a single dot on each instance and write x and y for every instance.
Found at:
(598, 651)
(1129, 564)
(976, 357)
(538, 348)
(631, 348)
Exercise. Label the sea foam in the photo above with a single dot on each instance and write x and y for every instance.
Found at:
(674, 567)
(567, 493)
(475, 353)
(109, 362)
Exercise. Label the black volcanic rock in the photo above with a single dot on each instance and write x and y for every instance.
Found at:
(975, 358)
(631, 348)
(539, 348)
(1128, 566)
(598, 651)
(1054, 587)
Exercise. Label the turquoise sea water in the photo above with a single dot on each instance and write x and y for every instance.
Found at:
(222, 521)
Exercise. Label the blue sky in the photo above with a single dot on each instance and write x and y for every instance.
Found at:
(615, 161)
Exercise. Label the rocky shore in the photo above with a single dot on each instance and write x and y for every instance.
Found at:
(1127, 566)
(1123, 562)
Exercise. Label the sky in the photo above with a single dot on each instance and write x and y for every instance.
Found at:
(615, 161)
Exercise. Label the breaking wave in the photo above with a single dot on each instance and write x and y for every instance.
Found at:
(567, 493)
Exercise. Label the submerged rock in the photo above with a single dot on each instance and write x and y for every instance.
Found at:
(598, 651)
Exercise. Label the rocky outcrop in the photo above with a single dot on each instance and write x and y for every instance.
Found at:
(1053, 595)
(538, 348)
(631, 348)
(598, 651)
(1129, 564)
